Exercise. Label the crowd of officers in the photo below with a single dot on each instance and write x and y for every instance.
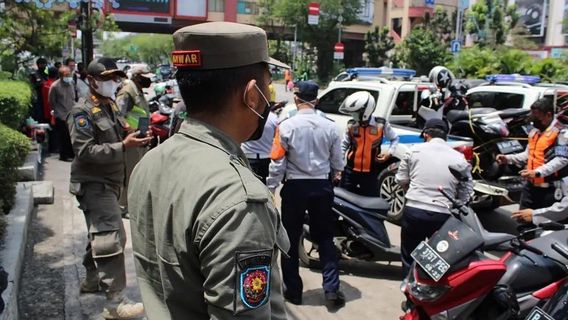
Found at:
(206, 232)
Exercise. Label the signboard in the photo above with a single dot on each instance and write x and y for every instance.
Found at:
(72, 29)
(429, 2)
(149, 7)
(456, 46)
(367, 11)
(538, 314)
(338, 51)
(532, 15)
(313, 13)
(195, 9)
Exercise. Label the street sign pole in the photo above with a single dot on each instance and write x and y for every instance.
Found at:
(86, 33)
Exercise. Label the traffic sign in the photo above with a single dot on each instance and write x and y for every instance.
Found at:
(313, 13)
(338, 51)
(429, 2)
(456, 46)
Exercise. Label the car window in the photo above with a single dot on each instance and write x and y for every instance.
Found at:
(330, 102)
(496, 100)
(404, 104)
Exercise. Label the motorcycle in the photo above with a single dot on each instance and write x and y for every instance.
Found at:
(360, 232)
(162, 122)
(557, 306)
(455, 277)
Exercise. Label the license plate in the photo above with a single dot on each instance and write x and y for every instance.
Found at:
(434, 265)
(509, 146)
(538, 314)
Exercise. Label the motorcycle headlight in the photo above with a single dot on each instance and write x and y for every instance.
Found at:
(425, 292)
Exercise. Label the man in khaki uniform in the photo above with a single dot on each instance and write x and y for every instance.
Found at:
(133, 105)
(205, 231)
(97, 175)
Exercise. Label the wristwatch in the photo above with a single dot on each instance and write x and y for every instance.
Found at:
(537, 174)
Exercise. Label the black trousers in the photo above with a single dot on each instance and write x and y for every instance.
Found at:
(535, 198)
(63, 140)
(260, 168)
(417, 225)
(361, 183)
(316, 197)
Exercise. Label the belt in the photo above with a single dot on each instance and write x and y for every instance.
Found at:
(306, 177)
(544, 185)
(257, 155)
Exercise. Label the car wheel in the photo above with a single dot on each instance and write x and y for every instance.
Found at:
(393, 193)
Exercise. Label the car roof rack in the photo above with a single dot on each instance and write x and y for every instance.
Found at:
(365, 73)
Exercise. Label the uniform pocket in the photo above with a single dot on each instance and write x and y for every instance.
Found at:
(106, 244)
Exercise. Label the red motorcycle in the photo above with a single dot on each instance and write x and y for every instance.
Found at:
(455, 277)
(161, 124)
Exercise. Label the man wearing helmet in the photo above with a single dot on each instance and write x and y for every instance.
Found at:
(362, 144)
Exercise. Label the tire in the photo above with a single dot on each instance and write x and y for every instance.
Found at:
(308, 259)
(393, 193)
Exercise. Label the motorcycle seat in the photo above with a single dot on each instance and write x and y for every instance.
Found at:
(370, 203)
(513, 113)
(458, 115)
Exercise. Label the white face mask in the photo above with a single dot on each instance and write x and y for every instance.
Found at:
(107, 88)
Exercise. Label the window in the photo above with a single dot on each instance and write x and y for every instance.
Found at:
(217, 5)
(247, 7)
(331, 101)
(404, 105)
(496, 100)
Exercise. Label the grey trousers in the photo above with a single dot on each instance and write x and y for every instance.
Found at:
(107, 237)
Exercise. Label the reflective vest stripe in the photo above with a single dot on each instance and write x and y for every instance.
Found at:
(365, 146)
(277, 152)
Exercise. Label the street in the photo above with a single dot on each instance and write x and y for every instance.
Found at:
(53, 269)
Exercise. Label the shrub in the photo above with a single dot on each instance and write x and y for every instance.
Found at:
(14, 148)
(15, 99)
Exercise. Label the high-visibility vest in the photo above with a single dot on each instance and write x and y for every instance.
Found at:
(539, 144)
(365, 145)
(134, 115)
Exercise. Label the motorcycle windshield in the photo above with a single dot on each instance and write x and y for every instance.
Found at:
(455, 241)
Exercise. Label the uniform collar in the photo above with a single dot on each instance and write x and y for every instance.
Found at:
(437, 140)
(211, 135)
(307, 111)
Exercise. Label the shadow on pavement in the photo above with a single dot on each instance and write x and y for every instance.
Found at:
(315, 297)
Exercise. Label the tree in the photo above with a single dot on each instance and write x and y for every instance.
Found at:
(27, 31)
(422, 51)
(324, 35)
(378, 43)
(491, 21)
(550, 69)
(513, 61)
(440, 25)
(149, 48)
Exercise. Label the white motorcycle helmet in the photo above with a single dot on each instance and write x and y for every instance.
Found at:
(441, 76)
(360, 105)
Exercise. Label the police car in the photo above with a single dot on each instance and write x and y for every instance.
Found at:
(396, 94)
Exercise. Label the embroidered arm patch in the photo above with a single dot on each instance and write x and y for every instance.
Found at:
(253, 279)
(81, 121)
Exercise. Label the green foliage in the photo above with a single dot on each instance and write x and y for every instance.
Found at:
(15, 99)
(5, 75)
(28, 29)
(440, 25)
(477, 62)
(491, 21)
(14, 147)
(550, 69)
(378, 43)
(149, 48)
(324, 35)
(422, 51)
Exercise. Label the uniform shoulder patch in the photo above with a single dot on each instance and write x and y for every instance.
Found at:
(253, 279)
(95, 110)
(81, 121)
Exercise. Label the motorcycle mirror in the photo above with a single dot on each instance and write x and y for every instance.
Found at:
(459, 172)
(552, 226)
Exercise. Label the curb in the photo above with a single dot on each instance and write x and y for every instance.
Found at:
(30, 170)
(12, 253)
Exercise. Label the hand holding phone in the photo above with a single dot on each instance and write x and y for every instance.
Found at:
(143, 126)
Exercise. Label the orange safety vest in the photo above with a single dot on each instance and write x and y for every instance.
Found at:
(365, 145)
(539, 144)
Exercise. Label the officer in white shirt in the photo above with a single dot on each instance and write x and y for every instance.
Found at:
(422, 171)
(258, 151)
(307, 147)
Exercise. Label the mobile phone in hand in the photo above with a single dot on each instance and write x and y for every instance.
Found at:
(142, 126)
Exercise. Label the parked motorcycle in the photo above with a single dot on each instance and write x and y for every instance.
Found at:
(557, 306)
(454, 276)
(360, 232)
(161, 123)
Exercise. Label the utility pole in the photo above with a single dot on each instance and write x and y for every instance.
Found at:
(86, 32)
(295, 46)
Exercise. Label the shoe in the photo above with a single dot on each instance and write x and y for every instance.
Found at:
(335, 297)
(293, 300)
(91, 283)
(123, 309)
(124, 212)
